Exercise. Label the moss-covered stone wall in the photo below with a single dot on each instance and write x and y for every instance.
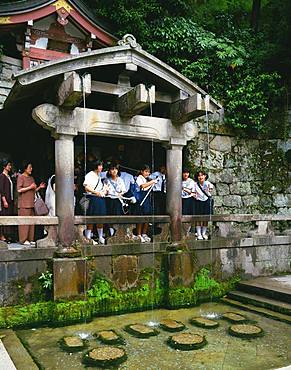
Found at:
(250, 175)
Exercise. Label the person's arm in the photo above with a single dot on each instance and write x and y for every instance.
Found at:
(2, 195)
(148, 184)
(22, 189)
(42, 185)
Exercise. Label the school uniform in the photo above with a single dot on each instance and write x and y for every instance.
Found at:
(159, 193)
(115, 188)
(146, 208)
(97, 205)
(187, 199)
(203, 203)
(128, 179)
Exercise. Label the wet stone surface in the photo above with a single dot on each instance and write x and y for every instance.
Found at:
(222, 352)
(203, 322)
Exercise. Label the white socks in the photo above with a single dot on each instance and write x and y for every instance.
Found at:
(88, 234)
(204, 230)
(100, 232)
(198, 229)
(111, 230)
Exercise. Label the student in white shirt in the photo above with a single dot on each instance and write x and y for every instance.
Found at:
(159, 191)
(203, 202)
(96, 192)
(188, 188)
(144, 184)
(116, 189)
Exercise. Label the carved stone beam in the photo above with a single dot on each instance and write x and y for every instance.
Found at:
(135, 100)
(72, 89)
(185, 110)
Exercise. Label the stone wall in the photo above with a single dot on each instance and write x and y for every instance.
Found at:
(250, 175)
(8, 67)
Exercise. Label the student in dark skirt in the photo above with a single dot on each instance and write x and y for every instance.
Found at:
(116, 189)
(145, 185)
(188, 186)
(203, 202)
(96, 192)
(187, 194)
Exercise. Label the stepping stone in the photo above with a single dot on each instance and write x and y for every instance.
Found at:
(187, 341)
(204, 323)
(234, 317)
(141, 331)
(246, 331)
(171, 325)
(106, 356)
(72, 344)
(109, 337)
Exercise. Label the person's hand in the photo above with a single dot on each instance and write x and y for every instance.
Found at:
(5, 204)
(42, 185)
(155, 181)
(33, 186)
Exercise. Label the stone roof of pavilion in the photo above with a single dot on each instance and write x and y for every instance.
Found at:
(29, 82)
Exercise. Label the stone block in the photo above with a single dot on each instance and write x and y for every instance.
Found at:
(284, 211)
(241, 188)
(69, 277)
(222, 189)
(125, 274)
(232, 201)
(282, 200)
(250, 200)
(218, 201)
(221, 144)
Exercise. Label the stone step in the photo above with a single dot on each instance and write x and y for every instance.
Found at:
(274, 287)
(260, 301)
(258, 310)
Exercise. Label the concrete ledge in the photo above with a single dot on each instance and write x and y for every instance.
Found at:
(7, 255)
(17, 352)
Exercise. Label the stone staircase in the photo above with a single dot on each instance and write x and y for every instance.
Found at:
(268, 296)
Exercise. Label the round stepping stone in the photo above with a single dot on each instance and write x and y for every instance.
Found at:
(72, 344)
(106, 356)
(141, 330)
(202, 322)
(245, 331)
(187, 341)
(171, 325)
(109, 337)
(234, 317)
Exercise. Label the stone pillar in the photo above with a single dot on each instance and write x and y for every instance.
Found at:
(64, 163)
(174, 201)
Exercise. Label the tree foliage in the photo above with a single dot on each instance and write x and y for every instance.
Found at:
(212, 43)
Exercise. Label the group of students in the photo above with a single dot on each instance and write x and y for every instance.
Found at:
(115, 193)
(108, 191)
(111, 192)
(197, 199)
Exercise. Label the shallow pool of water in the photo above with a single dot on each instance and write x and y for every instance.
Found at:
(223, 351)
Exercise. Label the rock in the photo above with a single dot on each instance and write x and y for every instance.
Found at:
(187, 341)
(234, 317)
(281, 200)
(250, 200)
(221, 144)
(141, 331)
(203, 322)
(232, 201)
(171, 325)
(105, 356)
(222, 189)
(109, 337)
(240, 188)
(72, 344)
(245, 331)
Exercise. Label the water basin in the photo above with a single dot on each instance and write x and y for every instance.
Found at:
(271, 351)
